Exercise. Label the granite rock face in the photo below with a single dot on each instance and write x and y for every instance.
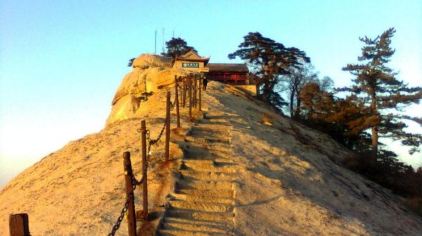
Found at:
(149, 73)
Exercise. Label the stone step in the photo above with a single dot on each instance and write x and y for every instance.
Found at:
(227, 169)
(201, 206)
(208, 139)
(204, 184)
(220, 225)
(225, 174)
(197, 152)
(213, 122)
(167, 232)
(220, 193)
(210, 156)
(217, 217)
(199, 164)
(208, 166)
(210, 132)
(205, 199)
(192, 226)
(224, 148)
(215, 198)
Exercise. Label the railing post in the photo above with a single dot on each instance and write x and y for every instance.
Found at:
(195, 90)
(190, 98)
(144, 171)
(177, 101)
(167, 147)
(19, 224)
(200, 94)
(184, 92)
(131, 218)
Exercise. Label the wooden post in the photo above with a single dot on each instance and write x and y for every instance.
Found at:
(131, 218)
(195, 89)
(177, 102)
(190, 98)
(184, 92)
(167, 147)
(144, 171)
(193, 92)
(19, 224)
(200, 94)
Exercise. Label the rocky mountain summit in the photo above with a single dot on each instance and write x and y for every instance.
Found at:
(238, 169)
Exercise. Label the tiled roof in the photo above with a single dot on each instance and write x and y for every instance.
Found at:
(228, 67)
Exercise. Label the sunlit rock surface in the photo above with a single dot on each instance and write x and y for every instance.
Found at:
(149, 73)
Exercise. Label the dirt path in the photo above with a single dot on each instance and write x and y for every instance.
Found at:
(203, 203)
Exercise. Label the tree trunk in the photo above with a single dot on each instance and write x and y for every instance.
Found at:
(374, 138)
(374, 130)
(298, 102)
(266, 92)
(292, 96)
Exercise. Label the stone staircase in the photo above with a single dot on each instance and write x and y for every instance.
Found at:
(203, 202)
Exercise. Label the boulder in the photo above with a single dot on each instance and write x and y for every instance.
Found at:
(149, 73)
(145, 61)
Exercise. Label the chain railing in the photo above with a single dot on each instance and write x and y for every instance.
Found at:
(191, 86)
(119, 220)
(116, 225)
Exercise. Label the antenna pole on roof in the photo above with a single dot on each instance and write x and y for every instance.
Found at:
(162, 49)
(155, 42)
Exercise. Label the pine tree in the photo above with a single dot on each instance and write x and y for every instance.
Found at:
(294, 82)
(268, 60)
(338, 117)
(377, 86)
(130, 63)
(176, 47)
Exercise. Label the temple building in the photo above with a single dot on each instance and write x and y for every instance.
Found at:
(191, 61)
(229, 73)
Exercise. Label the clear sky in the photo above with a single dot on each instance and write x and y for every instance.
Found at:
(61, 61)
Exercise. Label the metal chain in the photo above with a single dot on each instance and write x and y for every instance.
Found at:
(173, 104)
(135, 182)
(154, 141)
(116, 225)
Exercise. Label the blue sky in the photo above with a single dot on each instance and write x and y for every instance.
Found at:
(61, 61)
